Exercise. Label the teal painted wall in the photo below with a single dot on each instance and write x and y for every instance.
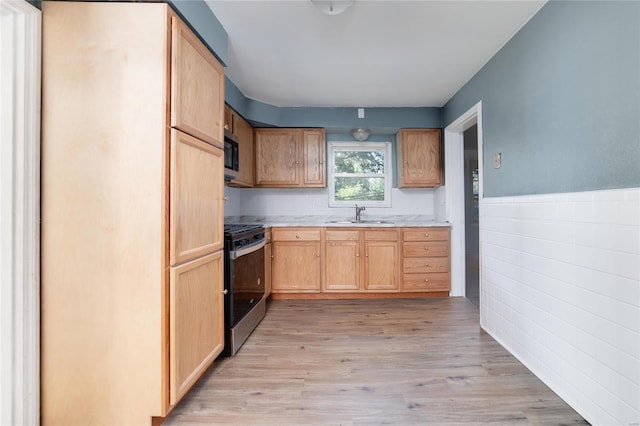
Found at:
(381, 121)
(561, 101)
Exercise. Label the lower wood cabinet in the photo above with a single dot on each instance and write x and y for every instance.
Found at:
(352, 261)
(296, 260)
(426, 263)
(346, 270)
(382, 260)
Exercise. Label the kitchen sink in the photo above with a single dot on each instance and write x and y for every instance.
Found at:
(346, 222)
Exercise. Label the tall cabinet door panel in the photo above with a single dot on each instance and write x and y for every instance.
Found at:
(196, 219)
(196, 330)
(197, 87)
(244, 131)
(277, 157)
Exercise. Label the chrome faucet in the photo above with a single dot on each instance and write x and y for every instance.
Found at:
(358, 211)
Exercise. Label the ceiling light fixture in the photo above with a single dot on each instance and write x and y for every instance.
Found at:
(360, 134)
(332, 7)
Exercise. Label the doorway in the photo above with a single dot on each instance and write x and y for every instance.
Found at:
(455, 197)
(471, 215)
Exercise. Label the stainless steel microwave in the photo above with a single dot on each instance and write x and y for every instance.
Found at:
(231, 162)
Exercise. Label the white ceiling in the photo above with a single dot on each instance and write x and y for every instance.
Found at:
(378, 53)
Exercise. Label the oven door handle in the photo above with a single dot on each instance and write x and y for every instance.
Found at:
(238, 253)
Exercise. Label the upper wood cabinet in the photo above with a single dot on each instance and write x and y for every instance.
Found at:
(419, 158)
(243, 130)
(197, 87)
(132, 183)
(290, 158)
(197, 215)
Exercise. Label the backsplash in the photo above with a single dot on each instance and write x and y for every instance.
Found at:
(296, 202)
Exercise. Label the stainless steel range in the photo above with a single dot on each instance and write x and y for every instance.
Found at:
(245, 303)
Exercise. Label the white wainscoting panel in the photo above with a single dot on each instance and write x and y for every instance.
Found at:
(561, 291)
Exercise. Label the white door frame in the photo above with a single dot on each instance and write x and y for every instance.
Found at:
(20, 46)
(454, 192)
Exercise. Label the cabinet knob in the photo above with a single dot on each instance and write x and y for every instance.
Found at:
(426, 280)
(297, 237)
(225, 291)
(426, 234)
(426, 248)
(317, 254)
(426, 264)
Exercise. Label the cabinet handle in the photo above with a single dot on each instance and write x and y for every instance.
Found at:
(426, 264)
(426, 280)
(426, 234)
(317, 254)
(297, 237)
(426, 248)
(225, 291)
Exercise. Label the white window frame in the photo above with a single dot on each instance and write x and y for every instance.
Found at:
(334, 147)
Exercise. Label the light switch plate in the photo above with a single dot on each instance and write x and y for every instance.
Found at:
(360, 112)
(497, 160)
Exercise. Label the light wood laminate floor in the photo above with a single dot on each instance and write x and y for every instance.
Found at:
(366, 362)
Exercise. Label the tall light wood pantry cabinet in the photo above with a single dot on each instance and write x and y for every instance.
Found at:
(132, 212)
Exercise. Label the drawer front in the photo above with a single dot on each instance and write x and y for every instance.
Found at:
(296, 234)
(425, 248)
(414, 265)
(426, 234)
(332, 235)
(381, 235)
(438, 281)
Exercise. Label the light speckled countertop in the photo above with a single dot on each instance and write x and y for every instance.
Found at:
(338, 221)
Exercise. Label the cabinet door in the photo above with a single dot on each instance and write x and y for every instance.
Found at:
(419, 157)
(244, 132)
(197, 185)
(296, 267)
(381, 265)
(197, 87)
(342, 266)
(196, 315)
(277, 157)
(314, 158)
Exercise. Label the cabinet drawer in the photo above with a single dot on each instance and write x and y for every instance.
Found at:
(296, 234)
(426, 248)
(438, 281)
(426, 234)
(332, 235)
(381, 235)
(425, 264)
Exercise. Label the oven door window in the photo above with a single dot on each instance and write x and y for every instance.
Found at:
(248, 283)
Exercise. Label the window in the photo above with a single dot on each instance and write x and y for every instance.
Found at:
(360, 173)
